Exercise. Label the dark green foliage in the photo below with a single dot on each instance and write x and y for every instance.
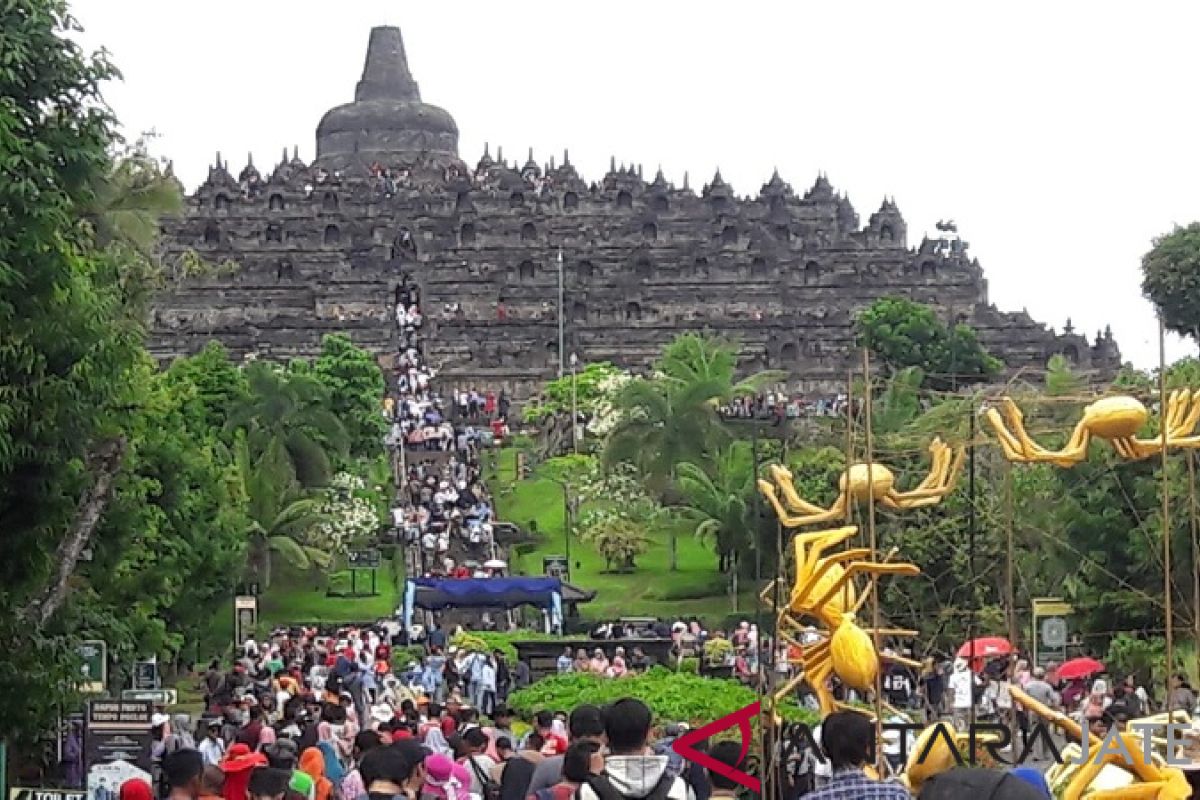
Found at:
(356, 387)
(215, 385)
(1171, 279)
(672, 696)
(286, 417)
(906, 334)
(171, 547)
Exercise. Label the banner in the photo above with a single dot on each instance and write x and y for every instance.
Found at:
(116, 745)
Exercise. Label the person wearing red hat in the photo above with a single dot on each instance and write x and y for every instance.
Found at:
(237, 765)
(136, 789)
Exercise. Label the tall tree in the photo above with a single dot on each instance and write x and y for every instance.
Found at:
(69, 341)
(672, 416)
(356, 387)
(281, 518)
(718, 502)
(907, 334)
(1171, 279)
(286, 419)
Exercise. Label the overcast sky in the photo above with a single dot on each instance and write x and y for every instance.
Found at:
(1060, 136)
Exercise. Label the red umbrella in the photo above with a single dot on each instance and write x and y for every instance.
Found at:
(985, 647)
(1079, 668)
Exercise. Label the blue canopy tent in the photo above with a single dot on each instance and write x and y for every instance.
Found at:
(434, 594)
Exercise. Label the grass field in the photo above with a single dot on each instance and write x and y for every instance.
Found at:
(296, 597)
(652, 590)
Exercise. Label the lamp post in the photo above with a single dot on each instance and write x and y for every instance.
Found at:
(574, 406)
(568, 526)
(561, 354)
(568, 522)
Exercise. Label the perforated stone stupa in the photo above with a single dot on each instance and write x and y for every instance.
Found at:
(321, 247)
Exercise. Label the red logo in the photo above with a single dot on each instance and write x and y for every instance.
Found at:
(684, 746)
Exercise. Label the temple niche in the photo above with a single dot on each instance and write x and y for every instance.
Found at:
(320, 248)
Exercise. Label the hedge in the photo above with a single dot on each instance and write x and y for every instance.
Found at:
(671, 696)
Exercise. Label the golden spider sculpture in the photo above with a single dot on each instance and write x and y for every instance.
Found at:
(1151, 780)
(1115, 419)
(824, 590)
(855, 486)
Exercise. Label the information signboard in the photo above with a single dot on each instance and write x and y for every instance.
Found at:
(245, 619)
(94, 669)
(1050, 629)
(364, 559)
(116, 745)
(556, 567)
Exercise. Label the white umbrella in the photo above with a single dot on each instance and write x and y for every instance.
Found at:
(495, 563)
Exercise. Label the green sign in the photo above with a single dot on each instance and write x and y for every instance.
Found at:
(94, 654)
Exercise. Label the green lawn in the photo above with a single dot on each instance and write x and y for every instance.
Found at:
(652, 590)
(300, 597)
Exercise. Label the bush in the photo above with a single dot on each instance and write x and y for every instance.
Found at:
(494, 640)
(716, 651)
(689, 665)
(401, 656)
(672, 696)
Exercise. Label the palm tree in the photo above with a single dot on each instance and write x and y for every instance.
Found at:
(285, 419)
(696, 357)
(127, 204)
(718, 502)
(672, 416)
(281, 517)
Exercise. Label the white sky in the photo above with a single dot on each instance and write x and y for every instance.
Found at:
(1061, 136)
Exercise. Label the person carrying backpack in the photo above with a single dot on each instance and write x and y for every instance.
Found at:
(632, 771)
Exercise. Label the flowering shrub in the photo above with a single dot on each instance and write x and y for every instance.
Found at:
(604, 414)
(351, 515)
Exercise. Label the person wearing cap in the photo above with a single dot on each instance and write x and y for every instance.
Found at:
(283, 755)
(212, 749)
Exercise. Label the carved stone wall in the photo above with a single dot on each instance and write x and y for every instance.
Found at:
(320, 251)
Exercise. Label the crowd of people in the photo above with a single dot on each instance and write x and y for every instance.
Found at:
(442, 507)
(430, 752)
(315, 729)
(779, 405)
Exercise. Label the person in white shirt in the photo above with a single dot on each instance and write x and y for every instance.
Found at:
(487, 685)
(962, 687)
(212, 749)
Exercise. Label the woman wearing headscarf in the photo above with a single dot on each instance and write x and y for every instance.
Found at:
(312, 763)
(617, 668)
(445, 780)
(333, 762)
